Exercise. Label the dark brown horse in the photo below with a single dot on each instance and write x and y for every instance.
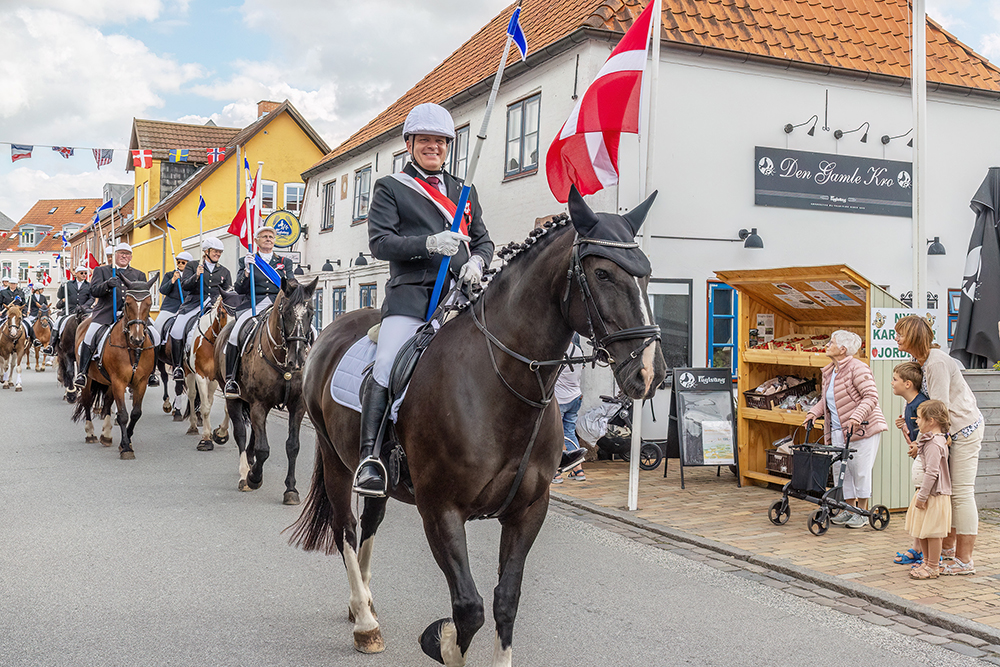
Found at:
(270, 376)
(126, 363)
(66, 354)
(481, 433)
(42, 327)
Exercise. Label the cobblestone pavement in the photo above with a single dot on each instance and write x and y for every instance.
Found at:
(726, 527)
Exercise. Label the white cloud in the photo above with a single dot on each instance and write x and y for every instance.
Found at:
(990, 47)
(22, 187)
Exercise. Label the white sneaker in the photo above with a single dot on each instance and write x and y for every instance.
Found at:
(843, 517)
(856, 521)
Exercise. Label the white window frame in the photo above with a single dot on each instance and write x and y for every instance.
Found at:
(26, 237)
(400, 160)
(264, 185)
(22, 271)
(460, 152)
(301, 189)
(518, 143)
(330, 191)
(5, 269)
(362, 193)
(145, 198)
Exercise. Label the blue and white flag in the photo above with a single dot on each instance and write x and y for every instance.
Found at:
(201, 204)
(516, 34)
(104, 207)
(265, 268)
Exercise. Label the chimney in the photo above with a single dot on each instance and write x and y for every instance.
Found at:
(266, 107)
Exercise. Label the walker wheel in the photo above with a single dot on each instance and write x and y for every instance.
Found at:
(649, 456)
(879, 518)
(819, 521)
(779, 512)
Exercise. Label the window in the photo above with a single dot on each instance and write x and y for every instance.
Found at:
(294, 194)
(722, 311)
(670, 301)
(400, 160)
(145, 198)
(318, 309)
(362, 192)
(329, 204)
(368, 296)
(5, 270)
(53, 210)
(460, 153)
(22, 271)
(268, 190)
(79, 209)
(522, 136)
(27, 237)
(339, 302)
(71, 228)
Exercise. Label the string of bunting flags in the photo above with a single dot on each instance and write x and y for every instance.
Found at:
(104, 156)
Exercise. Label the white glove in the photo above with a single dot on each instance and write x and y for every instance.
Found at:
(472, 272)
(445, 243)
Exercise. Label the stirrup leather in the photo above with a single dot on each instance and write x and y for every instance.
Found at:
(385, 478)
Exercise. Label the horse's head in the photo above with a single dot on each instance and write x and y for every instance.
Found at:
(220, 314)
(612, 274)
(294, 312)
(14, 316)
(138, 300)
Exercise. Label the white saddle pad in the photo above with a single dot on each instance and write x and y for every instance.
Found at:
(345, 386)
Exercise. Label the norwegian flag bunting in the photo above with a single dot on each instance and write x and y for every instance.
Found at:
(65, 151)
(142, 158)
(18, 152)
(215, 154)
(585, 152)
(103, 156)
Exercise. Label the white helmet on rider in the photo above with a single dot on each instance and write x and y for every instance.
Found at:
(432, 119)
(211, 243)
(123, 247)
(184, 255)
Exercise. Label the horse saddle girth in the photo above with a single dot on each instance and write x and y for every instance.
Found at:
(406, 360)
(246, 334)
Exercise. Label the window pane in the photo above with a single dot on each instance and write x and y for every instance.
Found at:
(722, 331)
(672, 313)
(294, 193)
(267, 196)
(329, 204)
(531, 108)
(514, 122)
(722, 357)
(513, 156)
(723, 301)
(531, 151)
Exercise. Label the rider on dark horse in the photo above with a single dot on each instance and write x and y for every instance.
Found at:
(217, 280)
(407, 229)
(104, 285)
(265, 290)
(14, 294)
(77, 293)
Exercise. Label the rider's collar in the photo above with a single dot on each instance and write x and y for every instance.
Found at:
(424, 173)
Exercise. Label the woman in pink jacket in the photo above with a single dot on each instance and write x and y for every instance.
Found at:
(848, 399)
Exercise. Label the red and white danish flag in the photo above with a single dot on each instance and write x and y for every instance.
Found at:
(142, 158)
(585, 152)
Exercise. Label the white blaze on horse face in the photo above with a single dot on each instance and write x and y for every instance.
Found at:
(501, 656)
(361, 599)
(649, 353)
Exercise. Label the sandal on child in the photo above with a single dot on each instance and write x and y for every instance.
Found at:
(924, 572)
(909, 557)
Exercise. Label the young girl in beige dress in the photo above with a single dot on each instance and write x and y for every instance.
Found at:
(929, 517)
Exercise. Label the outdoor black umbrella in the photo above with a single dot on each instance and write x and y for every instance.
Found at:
(977, 341)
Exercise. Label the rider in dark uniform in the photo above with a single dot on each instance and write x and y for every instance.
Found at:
(77, 293)
(265, 292)
(14, 294)
(217, 280)
(103, 285)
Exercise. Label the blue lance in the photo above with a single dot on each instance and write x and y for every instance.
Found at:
(473, 163)
(114, 267)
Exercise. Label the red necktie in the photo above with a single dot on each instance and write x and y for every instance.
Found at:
(435, 181)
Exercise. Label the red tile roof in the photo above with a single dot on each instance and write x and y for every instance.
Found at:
(39, 216)
(867, 36)
(161, 136)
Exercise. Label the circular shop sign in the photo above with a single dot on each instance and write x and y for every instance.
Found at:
(286, 228)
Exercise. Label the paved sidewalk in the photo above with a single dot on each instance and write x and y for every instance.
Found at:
(713, 512)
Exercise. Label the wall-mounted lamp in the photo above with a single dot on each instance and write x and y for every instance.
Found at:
(360, 259)
(936, 247)
(864, 137)
(298, 269)
(886, 138)
(907, 299)
(750, 238)
(328, 265)
(812, 130)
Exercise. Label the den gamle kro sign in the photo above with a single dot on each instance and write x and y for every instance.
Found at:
(821, 181)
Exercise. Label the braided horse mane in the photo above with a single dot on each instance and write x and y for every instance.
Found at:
(513, 253)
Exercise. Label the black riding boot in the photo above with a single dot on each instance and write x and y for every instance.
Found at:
(53, 343)
(572, 459)
(370, 478)
(86, 354)
(177, 355)
(31, 334)
(232, 389)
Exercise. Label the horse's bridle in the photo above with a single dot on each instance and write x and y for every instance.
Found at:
(139, 297)
(283, 367)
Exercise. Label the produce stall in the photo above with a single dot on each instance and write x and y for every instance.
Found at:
(786, 317)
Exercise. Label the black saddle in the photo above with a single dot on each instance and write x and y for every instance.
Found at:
(167, 326)
(248, 331)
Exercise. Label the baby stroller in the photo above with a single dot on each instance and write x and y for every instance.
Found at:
(617, 441)
(811, 468)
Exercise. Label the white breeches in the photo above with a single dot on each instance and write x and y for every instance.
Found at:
(392, 335)
(234, 335)
(177, 331)
(161, 321)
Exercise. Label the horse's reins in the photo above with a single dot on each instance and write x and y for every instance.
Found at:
(133, 358)
(649, 334)
(283, 369)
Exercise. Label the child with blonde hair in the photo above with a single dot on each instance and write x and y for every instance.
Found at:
(928, 518)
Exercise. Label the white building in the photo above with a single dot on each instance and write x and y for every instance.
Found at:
(731, 79)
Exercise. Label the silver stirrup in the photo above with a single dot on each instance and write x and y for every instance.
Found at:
(368, 493)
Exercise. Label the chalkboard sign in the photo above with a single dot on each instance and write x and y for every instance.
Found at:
(702, 422)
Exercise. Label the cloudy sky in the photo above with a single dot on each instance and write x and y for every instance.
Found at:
(76, 73)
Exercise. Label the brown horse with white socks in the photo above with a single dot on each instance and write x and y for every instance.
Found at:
(480, 431)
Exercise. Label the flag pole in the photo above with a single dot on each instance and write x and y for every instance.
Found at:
(645, 186)
(114, 265)
(170, 240)
(918, 92)
(470, 175)
(201, 240)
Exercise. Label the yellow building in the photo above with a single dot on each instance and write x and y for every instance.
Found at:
(166, 190)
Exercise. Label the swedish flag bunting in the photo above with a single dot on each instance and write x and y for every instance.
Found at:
(178, 155)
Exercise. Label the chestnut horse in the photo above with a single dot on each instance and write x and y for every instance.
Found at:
(14, 344)
(270, 376)
(42, 327)
(200, 376)
(126, 363)
(481, 432)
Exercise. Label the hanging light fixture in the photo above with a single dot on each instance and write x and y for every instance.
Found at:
(864, 137)
(812, 130)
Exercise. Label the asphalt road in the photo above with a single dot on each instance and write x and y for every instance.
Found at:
(161, 561)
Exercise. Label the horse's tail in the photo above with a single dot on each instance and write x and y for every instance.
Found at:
(98, 396)
(314, 530)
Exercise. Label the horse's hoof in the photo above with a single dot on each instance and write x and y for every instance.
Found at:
(17, 388)
(291, 498)
(206, 446)
(127, 455)
(192, 430)
(440, 636)
(255, 485)
(90, 439)
(369, 641)
(166, 407)
(243, 486)
(220, 439)
(107, 442)
(178, 417)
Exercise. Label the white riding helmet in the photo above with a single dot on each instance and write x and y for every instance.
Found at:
(211, 243)
(123, 246)
(264, 229)
(82, 267)
(431, 119)
(186, 256)
(109, 250)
